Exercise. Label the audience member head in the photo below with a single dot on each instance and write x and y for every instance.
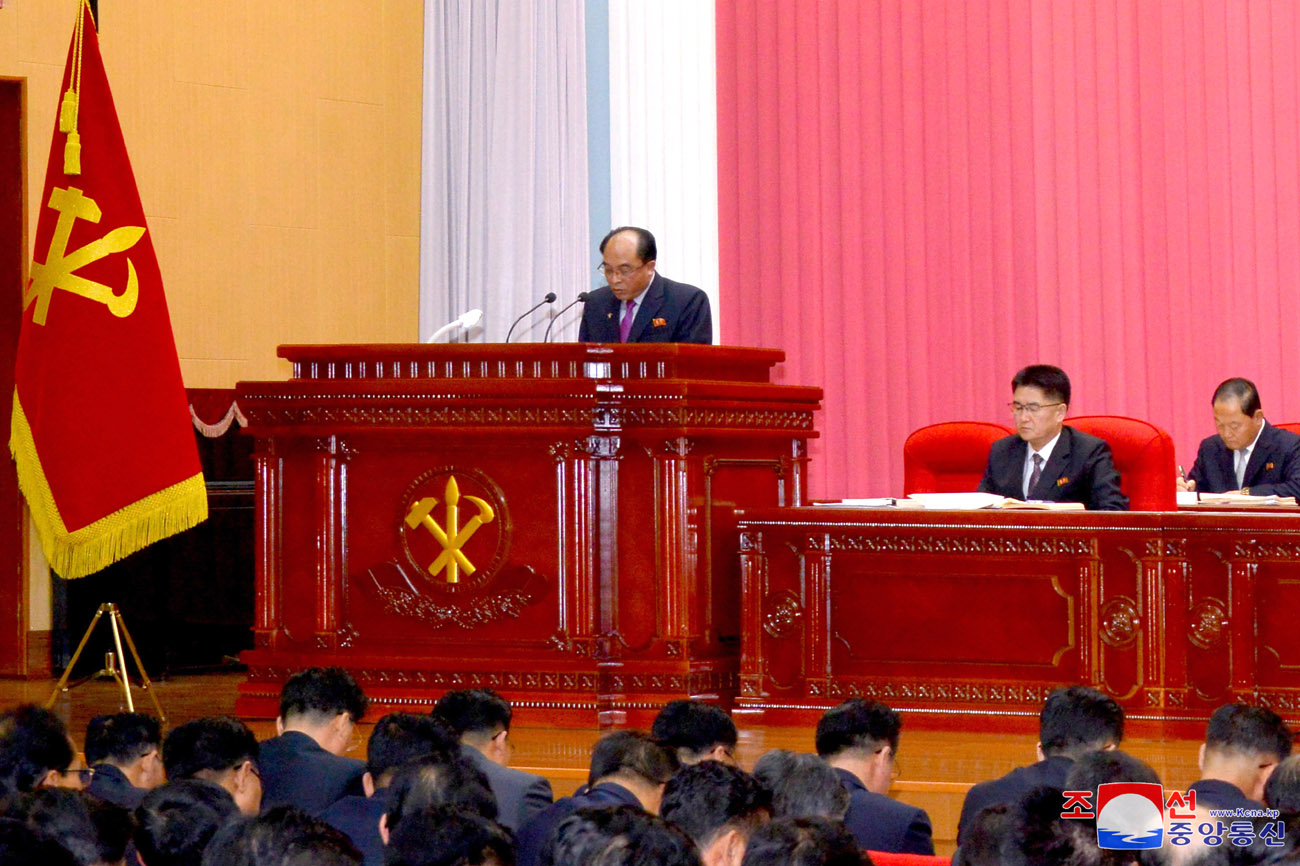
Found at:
(1086, 774)
(323, 703)
(617, 836)
(803, 842)
(93, 831)
(1282, 791)
(176, 821)
(1238, 414)
(1040, 398)
(696, 731)
(435, 780)
(20, 845)
(284, 836)
(446, 836)
(1028, 832)
(802, 786)
(35, 751)
(718, 806)
(131, 742)
(219, 749)
(636, 761)
(399, 738)
(480, 718)
(1242, 746)
(861, 737)
(1076, 720)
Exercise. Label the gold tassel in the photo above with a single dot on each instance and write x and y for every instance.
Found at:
(68, 111)
(72, 154)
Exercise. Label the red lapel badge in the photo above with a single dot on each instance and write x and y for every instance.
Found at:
(1061, 482)
(660, 323)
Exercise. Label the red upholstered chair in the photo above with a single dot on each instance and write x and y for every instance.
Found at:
(1294, 428)
(1144, 456)
(881, 858)
(949, 457)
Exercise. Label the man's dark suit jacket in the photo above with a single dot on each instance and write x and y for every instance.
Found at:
(881, 823)
(533, 836)
(298, 772)
(358, 817)
(1216, 794)
(1079, 470)
(666, 312)
(1274, 467)
(1011, 787)
(111, 785)
(519, 795)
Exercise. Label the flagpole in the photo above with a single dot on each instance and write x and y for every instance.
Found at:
(94, 12)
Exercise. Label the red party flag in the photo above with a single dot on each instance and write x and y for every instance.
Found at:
(101, 430)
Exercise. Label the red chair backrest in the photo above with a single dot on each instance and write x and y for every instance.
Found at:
(1294, 428)
(1144, 456)
(949, 457)
(881, 858)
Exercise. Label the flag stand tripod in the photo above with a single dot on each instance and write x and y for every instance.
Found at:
(110, 670)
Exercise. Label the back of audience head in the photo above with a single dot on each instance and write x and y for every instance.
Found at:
(131, 742)
(1028, 832)
(1282, 791)
(284, 836)
(439, 779)
(176, 821)
(718, 806)
(636, 761)
(20, 845)
(1086, 774)
(1076, 720)
(219, 749)
(447, 836)
(803, 842)
(1243, 745)
(618, 836)
(480, 718)
(861, 737)
(802, 786)
(696, 731)
(91, 830)
(325, 704)
(399, 738)
(35, 751)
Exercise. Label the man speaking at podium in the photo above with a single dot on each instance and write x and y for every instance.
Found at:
(639, 305)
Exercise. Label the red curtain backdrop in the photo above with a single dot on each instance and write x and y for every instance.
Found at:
(918, 198)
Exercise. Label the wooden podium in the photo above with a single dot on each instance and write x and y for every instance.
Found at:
(552, 521)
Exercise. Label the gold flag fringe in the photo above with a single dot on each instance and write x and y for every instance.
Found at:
(87, 550)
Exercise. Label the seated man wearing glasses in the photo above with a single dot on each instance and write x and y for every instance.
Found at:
(639, 305)
(1046, 460)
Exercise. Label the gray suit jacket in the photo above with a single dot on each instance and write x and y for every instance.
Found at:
(519, 795)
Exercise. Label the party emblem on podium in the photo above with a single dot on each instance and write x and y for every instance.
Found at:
(454, 527)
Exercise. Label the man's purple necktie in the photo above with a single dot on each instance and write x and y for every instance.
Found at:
(625, 326)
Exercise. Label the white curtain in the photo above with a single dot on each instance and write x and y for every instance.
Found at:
(504, 181)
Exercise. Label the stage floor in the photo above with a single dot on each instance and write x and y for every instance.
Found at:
(935, 767)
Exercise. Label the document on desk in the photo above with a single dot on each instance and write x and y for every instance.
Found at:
(1039, 505)
(958, 501)
(877, 502)
(1194, 497)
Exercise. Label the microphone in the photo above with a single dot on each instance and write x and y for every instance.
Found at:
(549, 299)
(467, 321)
(582, 298)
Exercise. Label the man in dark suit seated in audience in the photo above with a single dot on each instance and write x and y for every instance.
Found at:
(696, 731)
(859, 739)
(396, 739)
(125, 751)
(444, 779)
(719, 806)
(1243, 745)
(1248, 455)
(1073, 722)
(36, 751)
(623, 835)
(481, 719)
(218, 749)
(176, 821)
(628, 768)
(304, 766)
(1046, 460)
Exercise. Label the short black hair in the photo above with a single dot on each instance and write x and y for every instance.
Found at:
(1052, 381)
(216, 743)
(1100, 768)
(694, 727)
(803, 842)
(322, 693)
(706, 798)
(33, 741)
(802, 785)
(474, 711)
(1079, 719)
(868, 726)
(20, 845)
(440, 780)
(633, 752)
(284, 836)
(646, 249)
(623, 835)
(176, 821)
(1282, 790)
(92, 830)
(401, 737)
(1249, 731)
(1241, 390)
(447, 836)
(121, 738)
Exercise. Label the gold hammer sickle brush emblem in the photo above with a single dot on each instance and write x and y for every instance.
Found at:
(453, 538)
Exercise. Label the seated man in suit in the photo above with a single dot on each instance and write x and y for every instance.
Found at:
(1248, 455)
(639, 305)
(696, 731)
(304, 766)
(481, 719)
(218, 749)
(859, 739)
(1243, 745)
(1047, 460)
(1074, 721)
(125, 751)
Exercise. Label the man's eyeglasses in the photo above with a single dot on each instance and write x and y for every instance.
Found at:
(83, 776)
(622, 271)
(1030, 408)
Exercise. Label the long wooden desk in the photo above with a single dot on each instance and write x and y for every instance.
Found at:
(973, 617)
